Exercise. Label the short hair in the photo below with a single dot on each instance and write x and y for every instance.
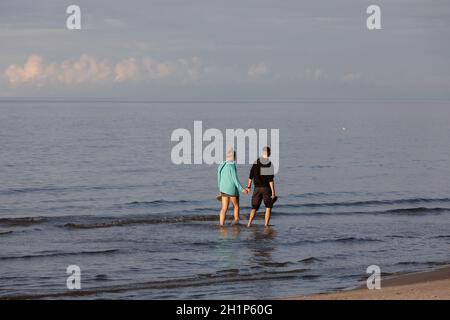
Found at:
(231, 153)
(266, 150)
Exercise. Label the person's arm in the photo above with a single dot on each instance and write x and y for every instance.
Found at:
(250, 177)
(236, 180)
(272, 187)
(218, 177)
(249, 186)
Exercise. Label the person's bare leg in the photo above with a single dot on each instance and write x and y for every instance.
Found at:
(223, 211)
(267, 217)
(235, 202)
(252, 216)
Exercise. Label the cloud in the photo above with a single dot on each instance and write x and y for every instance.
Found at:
(31, 71)
(351, 77)
(91, 70)
(87, 69)
(182, 70)
(258, 70)
(315, 74)
(125, 70)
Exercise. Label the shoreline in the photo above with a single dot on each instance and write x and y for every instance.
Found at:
(425, 285)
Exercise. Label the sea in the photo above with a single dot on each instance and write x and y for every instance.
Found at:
(91, 183)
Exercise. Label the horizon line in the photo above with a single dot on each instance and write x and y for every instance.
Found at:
(212, 100)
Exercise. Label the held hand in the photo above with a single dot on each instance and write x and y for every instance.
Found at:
(273, 196)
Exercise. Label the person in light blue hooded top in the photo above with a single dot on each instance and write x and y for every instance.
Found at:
(229, 186)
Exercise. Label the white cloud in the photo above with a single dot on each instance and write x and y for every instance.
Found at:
(87, 69)
(90, 70)
(125, 70)
(351, 77)
(182, 70)
(315, 74)
(31, 72)
(258, 70)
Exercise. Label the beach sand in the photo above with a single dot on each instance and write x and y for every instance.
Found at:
(432, 285)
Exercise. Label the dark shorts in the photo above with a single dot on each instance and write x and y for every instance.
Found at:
(260, 194)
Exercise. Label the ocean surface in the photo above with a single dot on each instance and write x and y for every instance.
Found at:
(91, 183)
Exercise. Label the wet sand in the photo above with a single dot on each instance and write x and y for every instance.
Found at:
(432, 285)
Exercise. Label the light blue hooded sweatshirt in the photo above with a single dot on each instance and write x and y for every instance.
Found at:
(227, 179)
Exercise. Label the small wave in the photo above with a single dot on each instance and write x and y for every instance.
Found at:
(25, 221)
(195, 281)
(101, 277)
(310, 276)
(159, 202)
(276, 264)
(399, 236)
(57, 189)
(310, 260)
(27, 190)
(323, 194)
(4, 233)
(132, 221)
(343, 240)
(444, 236)
(92, 221)
(355, 239)
(416, 211)
(367, 202)
(108, 223)
(227, 272)
(96, 222)
(59, 254)
(398, 211)
(422, 263)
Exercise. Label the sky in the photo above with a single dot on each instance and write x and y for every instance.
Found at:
(224, 50)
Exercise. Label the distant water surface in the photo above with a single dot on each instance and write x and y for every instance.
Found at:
(92, 184)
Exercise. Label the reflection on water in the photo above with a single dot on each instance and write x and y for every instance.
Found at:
(256, 244)
(229, 232)
(226, 250)
(261, 245)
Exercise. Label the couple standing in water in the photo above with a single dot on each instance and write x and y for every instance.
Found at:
(261, 175)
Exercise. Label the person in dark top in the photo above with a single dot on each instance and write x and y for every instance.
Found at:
(262, 175)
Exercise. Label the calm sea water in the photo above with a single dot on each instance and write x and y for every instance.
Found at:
(92, 184)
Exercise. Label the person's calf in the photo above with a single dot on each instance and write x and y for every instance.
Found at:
(267, 217)
(250, 219)
(222, 217)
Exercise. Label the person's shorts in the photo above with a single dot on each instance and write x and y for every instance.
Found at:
(260, 194)
(223, 194)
